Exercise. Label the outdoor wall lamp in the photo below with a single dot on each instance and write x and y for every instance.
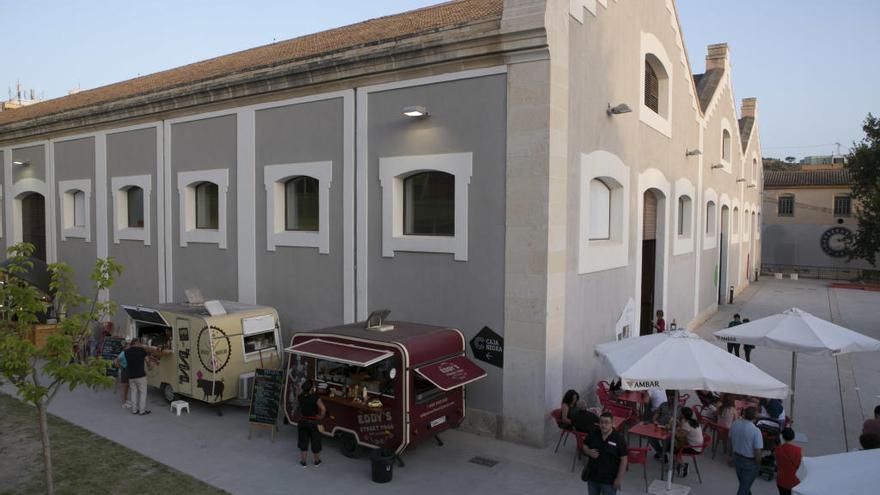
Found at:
(750, 186)
(415, 111)
(693, 153)
(619, 109)
(741, 179)
(20, 162)
(717, 165)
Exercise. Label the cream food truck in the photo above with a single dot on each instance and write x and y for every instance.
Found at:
(208, 351)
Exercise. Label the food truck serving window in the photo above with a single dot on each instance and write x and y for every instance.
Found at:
(258, 336)
(146, 315)
(451, 373)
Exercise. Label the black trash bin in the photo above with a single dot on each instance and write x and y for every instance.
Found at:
(383, 465)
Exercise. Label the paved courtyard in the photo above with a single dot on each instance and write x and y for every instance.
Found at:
(217, 450)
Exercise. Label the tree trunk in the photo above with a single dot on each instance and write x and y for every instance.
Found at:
(47, 453)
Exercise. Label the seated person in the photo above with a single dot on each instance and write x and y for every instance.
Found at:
(872, 425)
(653, 400)
(662, 416)
(869, 441)
(582, 419)
(688, 434)
(569, 403)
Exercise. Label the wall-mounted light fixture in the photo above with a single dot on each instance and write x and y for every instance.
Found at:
(21, 163)
(717, 165)
(617, 110)
(750, 186)
(415, 111)
(741, 179)
(693, 153)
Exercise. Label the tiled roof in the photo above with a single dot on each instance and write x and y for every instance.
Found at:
(429, 19)
(706, 84)
(795, 178)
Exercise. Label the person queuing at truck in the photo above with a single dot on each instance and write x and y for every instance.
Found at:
(122, 365)
(607, 454)
(732, 347)
(308, 434)
(135, 358)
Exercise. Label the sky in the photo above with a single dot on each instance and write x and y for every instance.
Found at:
(813, 65)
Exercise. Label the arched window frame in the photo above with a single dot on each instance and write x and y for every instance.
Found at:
(726, 148)
(711, 212)
(601, 208)
(653, 53)
(683, 243)
(67, 196)
(186, 188)
(392, 172)
(274, 179)
(121, 229)
(603, 254)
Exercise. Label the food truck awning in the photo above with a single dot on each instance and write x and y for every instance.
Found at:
(451, 373)
(342, 353)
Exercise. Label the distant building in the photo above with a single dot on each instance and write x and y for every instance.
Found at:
(807, 214)
(19, 99)
(823, 160)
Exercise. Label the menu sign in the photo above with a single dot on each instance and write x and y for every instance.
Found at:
(488, 346)
(110, 348)
(266, 396)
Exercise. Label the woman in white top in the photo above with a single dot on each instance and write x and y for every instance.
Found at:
(689, 436)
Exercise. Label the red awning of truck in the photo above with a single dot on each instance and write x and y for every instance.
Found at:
(342, 353)
(451, 373)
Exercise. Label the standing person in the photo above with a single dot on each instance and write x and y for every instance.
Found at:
(747, 443)
(312, 410)
(121, 363)
(662, 416)
(746, 347)
(607, 454)
(873, 425)
(788, 460)
(135, 358)
(653, 399)
(732, 347)
(660, 323)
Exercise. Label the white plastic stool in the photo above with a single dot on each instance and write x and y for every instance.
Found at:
(179, 405)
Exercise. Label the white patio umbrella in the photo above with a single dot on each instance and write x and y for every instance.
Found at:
(679, 360)
(797, 331)
(849, 473)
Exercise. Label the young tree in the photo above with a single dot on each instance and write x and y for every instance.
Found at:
(38, 374)
(863, 163)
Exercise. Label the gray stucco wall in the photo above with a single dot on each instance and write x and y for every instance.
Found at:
(466, 116)
(6, 231)
(36, 169)
(205, 145)
(134, 153)
(799, 244)
(306, 287)
(75, 160)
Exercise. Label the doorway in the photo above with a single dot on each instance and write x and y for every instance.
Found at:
(653, 232)
(33, 223)
(722, 254)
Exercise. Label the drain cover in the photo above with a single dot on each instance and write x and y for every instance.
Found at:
(483, 461)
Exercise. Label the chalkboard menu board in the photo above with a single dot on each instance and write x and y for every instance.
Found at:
(266, 396)
(110, 348)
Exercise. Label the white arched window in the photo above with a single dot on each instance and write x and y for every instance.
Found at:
(734, 221)
(656, 85)
(600, 210)
(725, 145)
(301, 204)
(298, 205)
(131, 208)
(429, 204)
(710, 218)
(203, 206)
(684, 216)
(75, 196)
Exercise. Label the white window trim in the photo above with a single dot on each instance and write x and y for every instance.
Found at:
(747, 226)
(661, 123)
(392, 171)
(121, 230)
(683, 244)
(735, 216)
(710, 239)
(604, 254)
(69, 230)
(758, 226)
(725, 126)
(274, 177)
(187, 214)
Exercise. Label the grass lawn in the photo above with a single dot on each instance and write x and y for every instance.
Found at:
(83, 462)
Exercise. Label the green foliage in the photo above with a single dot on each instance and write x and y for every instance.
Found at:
(39, 373)
(863, 163)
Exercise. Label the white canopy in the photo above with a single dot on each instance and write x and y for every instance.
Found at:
(798, 331)
(850, 473)
(681, 360)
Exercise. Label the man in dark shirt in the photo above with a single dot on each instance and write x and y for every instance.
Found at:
(731, 347)
(312, 410)
(607, 458)
(135, 356)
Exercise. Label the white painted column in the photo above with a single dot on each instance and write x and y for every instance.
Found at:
(51, 227)
(348, 212)
(246, 211)
(160, 202)
(167, 193)
(699, 223)
(101, 234)
(7, 198)
(361, 211)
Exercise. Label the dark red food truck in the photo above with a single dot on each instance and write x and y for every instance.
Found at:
(385, 386)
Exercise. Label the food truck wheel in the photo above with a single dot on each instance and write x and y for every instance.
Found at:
(349, 446)
(168, 393)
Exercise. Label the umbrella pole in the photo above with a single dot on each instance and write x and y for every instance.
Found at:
(793, 380)
(672, 442)
(842, 414)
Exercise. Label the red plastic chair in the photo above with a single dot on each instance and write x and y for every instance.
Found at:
(701, 417)
(639, 455)
(581, 437)
(722, 434)
(707, 442)
(556, 414)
